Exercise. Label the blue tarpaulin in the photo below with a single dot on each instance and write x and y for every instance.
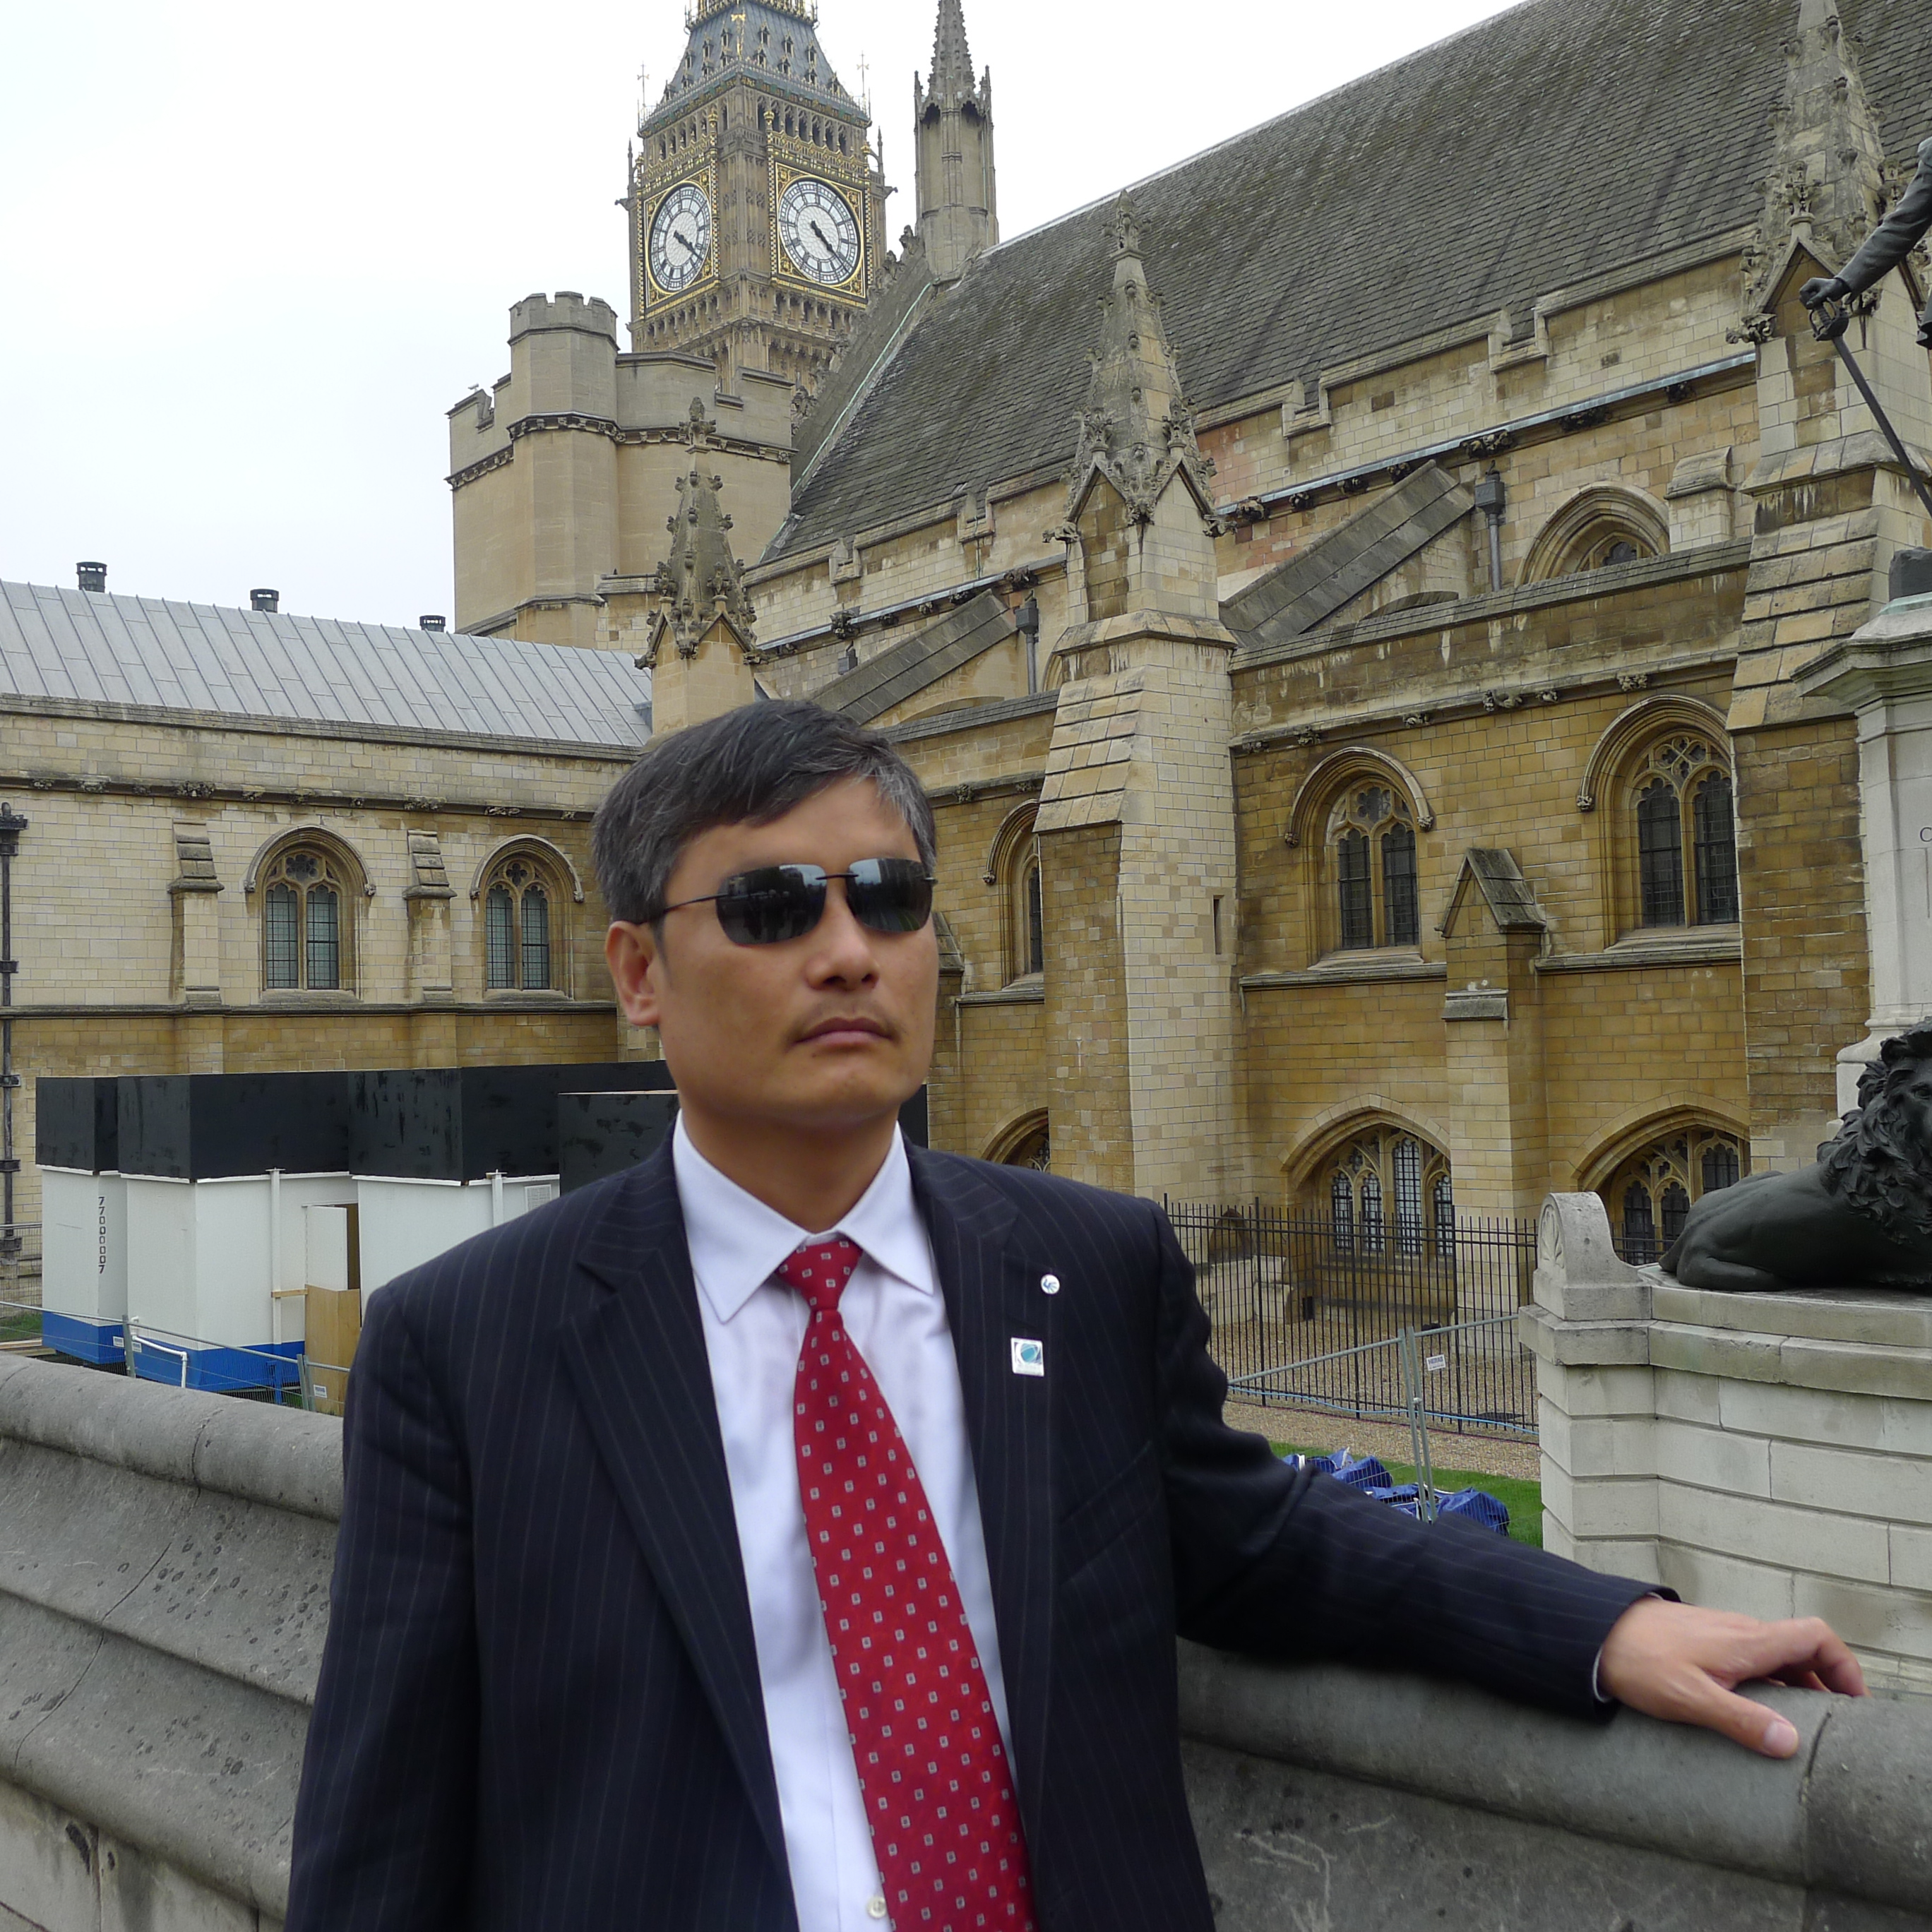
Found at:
(1371, 1476)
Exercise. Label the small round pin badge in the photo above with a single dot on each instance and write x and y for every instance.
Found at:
(1049, 1284)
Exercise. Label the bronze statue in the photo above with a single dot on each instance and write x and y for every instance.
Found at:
(1885, 247)
(1862, 1217)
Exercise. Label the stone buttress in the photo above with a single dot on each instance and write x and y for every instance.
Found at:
(1136, 820)
(1831, 507)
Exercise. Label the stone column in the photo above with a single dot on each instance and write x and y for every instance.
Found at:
(1588, 1327)
(1883, 673)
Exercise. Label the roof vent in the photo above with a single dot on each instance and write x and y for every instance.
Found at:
(270, 601)
(433, 622)
(93, 576)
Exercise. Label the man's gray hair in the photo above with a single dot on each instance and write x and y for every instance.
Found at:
(749, 766)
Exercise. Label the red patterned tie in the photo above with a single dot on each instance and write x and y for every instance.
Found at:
(939, 1797)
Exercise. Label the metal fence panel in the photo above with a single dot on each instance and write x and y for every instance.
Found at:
(1304, 1312)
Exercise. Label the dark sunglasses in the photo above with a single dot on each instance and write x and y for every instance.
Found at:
(777, 903)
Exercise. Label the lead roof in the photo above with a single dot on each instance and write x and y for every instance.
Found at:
(1539, 148)
(98, 647)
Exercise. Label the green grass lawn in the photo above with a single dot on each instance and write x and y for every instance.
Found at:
(20, 1324)
(1523, 1500)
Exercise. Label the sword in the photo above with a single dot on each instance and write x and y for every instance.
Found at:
(1829, 322)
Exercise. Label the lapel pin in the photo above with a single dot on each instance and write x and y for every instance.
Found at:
(1049, 1284)
(1029, 1357)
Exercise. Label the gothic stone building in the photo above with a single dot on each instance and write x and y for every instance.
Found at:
(1351, 600)
(1356, 601)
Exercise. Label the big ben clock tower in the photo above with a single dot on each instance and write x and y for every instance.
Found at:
(757, 210)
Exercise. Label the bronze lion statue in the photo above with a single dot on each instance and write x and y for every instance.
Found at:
(1862, 1217)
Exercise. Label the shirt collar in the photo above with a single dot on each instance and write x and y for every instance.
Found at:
(736, 1242)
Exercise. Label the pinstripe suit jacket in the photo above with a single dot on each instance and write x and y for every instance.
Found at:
(539, 1703)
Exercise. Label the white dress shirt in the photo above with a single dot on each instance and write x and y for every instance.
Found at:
(754, 1329)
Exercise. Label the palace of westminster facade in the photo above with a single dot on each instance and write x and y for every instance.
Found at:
(1362, 602)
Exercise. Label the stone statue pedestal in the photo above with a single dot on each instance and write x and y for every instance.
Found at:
(1769, 1454)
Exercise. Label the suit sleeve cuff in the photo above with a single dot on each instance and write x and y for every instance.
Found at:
(1597, 1690)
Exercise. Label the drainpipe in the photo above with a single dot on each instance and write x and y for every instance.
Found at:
(1027, 618)
(11, 825)
(1492, 500)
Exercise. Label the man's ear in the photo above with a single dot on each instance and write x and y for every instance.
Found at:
(636, 961)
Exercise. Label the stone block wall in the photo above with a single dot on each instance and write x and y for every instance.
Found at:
(1769, 1454)
(144, 836)
(1806, 983)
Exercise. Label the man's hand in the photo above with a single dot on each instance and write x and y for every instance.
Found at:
(1823, 288)
(1683, 1664)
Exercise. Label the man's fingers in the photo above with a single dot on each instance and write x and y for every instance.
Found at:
(1801, 1650)
(1749, 1724)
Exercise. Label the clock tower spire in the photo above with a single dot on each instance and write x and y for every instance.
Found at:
(756, 209)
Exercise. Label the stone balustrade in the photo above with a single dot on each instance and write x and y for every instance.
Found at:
(164, 1561)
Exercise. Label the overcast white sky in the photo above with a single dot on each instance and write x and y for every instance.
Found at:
(252, 254)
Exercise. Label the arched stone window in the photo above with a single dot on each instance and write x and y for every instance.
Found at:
(520, 949)
(307, 922)
(1371, 846)
(1682, 832)
(1599, 526)
(1034, 919)
(1388, 1191)
(1650, 1194)
(1025, 1142)
(1012, 868)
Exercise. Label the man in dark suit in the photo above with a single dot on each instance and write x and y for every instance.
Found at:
(1885, 247)
(793, 1532)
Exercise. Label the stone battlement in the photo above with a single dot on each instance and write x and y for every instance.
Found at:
(566, 309)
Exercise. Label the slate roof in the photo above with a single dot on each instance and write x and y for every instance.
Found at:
(102, 648)
(1531, 152)
(1296, 594)
(904, 669)
(1504, 889)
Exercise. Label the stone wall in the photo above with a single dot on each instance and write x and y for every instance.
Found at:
(164, 1559)
(1770, 1453)
(138, 898)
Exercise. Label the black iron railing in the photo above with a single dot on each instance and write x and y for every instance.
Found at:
(1306, 1313)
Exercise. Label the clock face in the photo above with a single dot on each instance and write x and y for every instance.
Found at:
(681, 237)
(820, 232)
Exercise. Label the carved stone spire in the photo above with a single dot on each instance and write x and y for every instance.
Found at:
(1826, 185)
(700, 580)
(951, 82)
(952, 122)
(1137, 429)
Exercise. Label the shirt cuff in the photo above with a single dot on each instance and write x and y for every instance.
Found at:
(1597, 1667)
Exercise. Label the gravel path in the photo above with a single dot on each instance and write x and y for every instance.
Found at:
(1315, 1429)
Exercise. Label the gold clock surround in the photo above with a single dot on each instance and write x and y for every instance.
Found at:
(656, 294)
(809, 166)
